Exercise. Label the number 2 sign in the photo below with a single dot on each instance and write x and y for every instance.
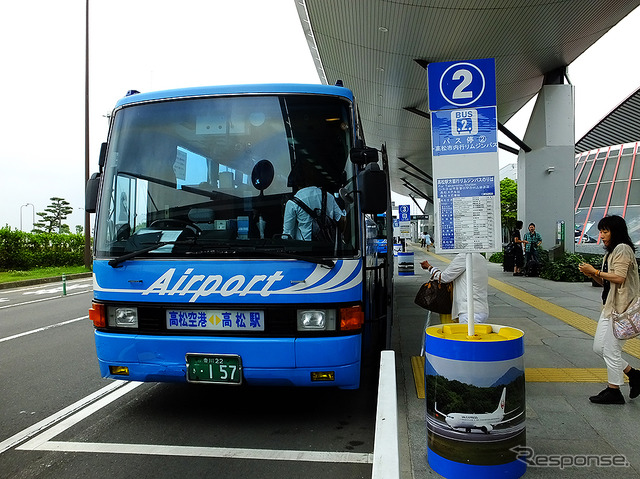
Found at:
(462, 84)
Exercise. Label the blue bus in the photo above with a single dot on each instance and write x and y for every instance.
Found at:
(194, 277)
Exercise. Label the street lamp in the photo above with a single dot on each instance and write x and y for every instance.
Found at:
(33, 221)
(87, 220)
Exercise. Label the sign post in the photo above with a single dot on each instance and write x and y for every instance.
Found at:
(404, 219)
(484, 361)
(405, 259)
(462, 100)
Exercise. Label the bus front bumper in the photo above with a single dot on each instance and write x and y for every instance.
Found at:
(265, 361)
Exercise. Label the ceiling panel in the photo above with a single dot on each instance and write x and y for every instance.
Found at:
(372, 45)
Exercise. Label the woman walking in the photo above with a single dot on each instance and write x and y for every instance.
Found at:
(621, 285)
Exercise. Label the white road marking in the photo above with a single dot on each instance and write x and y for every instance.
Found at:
(39, 438)
(57, 289)
(91, 406)
(40, 426)
(43, 441)
(27, 289)
(218, 452)
(43, 299)
(26, 333)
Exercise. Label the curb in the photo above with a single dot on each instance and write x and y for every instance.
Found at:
(53, 279)
(386, 451)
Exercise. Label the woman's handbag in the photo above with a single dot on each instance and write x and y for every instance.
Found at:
(435, 296)
(627, 325)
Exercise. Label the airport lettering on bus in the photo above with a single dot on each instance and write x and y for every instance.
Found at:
(211, 284)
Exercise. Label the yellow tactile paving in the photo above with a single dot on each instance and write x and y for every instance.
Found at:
(632, 347)
(531, 375)
(578, 321)
(417, 365)
(565, 375)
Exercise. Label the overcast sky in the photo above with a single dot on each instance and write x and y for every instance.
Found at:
(158, 44)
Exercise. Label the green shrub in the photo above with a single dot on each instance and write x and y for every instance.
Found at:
(497, 257)
(565, 268)
(24, 251)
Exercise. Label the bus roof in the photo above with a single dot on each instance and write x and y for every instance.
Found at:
(275, 88)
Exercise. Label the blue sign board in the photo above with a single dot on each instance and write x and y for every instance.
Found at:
(464, 131)
(469, 190)
(404, 213)
(462, 84)
(464, 137)
(449, 188)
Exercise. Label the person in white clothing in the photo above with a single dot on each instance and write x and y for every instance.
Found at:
(427, 240)
(298, 223)
(456, 273)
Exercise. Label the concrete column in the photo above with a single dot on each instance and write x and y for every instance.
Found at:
(546, 173)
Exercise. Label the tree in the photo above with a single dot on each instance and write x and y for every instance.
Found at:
(508, 203)
(53, 217)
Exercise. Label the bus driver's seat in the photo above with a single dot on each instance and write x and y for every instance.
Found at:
(202, 218)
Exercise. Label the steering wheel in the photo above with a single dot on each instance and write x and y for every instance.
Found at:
(175, 222)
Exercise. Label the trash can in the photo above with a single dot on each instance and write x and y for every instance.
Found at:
(405, 264)
(475, 394)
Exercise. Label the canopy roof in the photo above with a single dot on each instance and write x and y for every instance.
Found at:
(380, 48)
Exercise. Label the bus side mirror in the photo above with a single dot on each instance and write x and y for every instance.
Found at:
(103, 155)
(91, 193)
(93, 183)
(373, 188)
(364, 155)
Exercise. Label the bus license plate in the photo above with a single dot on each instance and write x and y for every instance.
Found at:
(214, 368)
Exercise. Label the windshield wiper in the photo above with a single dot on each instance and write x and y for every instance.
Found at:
(229, 250)
(121, 259)
(279, 254)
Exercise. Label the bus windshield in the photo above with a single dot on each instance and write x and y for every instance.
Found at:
(212, 176)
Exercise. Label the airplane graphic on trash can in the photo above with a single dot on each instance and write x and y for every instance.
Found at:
(484, 422)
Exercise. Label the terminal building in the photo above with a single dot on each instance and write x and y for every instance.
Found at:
(607, 173)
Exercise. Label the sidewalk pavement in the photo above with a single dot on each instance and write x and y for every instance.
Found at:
(562, 371)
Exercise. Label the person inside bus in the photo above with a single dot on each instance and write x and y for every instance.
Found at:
(456, 272)
(297, 222)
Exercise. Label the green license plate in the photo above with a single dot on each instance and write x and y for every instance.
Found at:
(214, 368)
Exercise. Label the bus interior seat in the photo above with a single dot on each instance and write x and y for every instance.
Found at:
(202, 218)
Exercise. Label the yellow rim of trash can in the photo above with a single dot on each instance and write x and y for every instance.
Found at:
(483, 332)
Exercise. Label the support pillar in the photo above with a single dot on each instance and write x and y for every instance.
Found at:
(546, 174)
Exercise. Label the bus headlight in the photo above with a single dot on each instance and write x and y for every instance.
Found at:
(123, 317)
(316, 319)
